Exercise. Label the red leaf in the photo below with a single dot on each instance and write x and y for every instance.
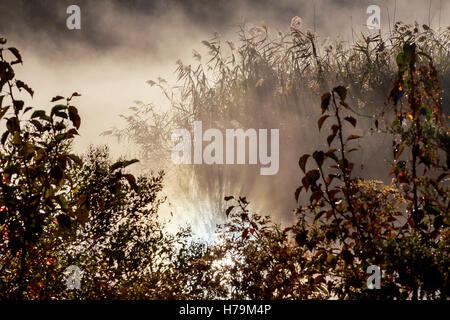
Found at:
(321, 121)
(229, 210)
(330, 139)
(287, 229)
(302, 161)
(353, 136)
(297, 193)
(351, 120)
(305, 183)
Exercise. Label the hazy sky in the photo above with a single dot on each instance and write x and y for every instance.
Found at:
(124, 43)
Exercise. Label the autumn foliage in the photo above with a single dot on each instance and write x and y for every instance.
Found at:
(59, 209)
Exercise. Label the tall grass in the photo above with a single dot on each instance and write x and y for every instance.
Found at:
(267, 80)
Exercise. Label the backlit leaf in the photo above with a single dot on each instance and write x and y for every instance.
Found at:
(321, 121)
(302, 162)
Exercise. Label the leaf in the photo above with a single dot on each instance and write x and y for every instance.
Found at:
(74, 117)
(319, 279)
(57, 174)
(316, 196)
(325, 101)
(16, 53)
(332, 194)
(16, 138)
(12, 124)
(437, 222)
(126, 163)
(347, 256)
(331, 154)
(245, 234)
(331, 138)
(57, 98)
(64, 221)
(132, 181)
(351, 120)
(61, 137)
(123, 164)
(28, 150)
(321, 121)
(63, 202)
(341, 91)
(398, 151)
(76, 159)
(18, 105)
(71, 133)
(57, 108)
(3, 111)
(37, 124)
(82, 214)
(331, 259)
(335, 128)
(409, 49)
(297, 193)
(302, 162)
(313, 176)
(229, 210)
(22, 85)
(243, 199)
(319, 156)
(27, 109)
(6, 73)
(317, 217)
(305, 183)
(4, 137)
(401, 61)
(287, 229)
(345, 165)
(352, 137)
(329, 179)
(38, 114)
(344, 104)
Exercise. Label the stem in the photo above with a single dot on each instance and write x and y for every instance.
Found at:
(415, 149)
(345, 173)
(22, 272)
(333, 207)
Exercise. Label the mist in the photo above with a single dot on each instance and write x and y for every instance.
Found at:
(122, 44)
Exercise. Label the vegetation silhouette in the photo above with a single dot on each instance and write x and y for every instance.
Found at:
(59, 209)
